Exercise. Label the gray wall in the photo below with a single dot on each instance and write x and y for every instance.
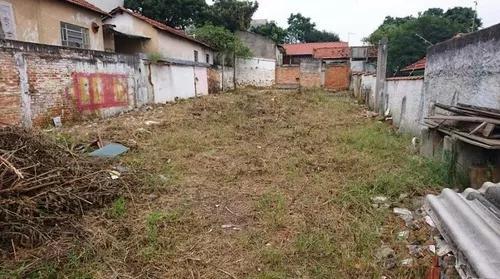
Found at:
(260, 46)
(404, 103)
(464, 70)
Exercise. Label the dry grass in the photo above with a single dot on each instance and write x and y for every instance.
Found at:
(254, 184)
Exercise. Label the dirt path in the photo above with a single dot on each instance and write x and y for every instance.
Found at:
(258, 184)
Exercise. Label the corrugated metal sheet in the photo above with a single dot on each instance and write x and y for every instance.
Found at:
(470, 223)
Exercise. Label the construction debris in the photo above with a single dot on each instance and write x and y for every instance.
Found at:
(468, 222)
(44, 186)
(470, 124)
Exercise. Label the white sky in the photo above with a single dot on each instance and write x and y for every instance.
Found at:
(356, 19)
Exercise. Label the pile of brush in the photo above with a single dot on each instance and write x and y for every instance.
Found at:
(44, 187)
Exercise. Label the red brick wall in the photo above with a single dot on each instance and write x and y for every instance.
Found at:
(64, 82)
(310, 80)
(337, 77)
(287, 74)
(10, 100)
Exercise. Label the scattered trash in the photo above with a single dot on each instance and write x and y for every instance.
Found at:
(380, 202)
(432, 248)
(387, 255)
(114, 174)
(57, 121)
(442, 247)
(110, 151)
(429, 221)
(151, 123)
(163, 178)
(405, 214)
(152, 197)
(407, 262)
(403, 235)
(380, 199)
(231, 226)
(416, 250)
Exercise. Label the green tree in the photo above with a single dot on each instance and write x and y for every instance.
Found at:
(272, 31)
(176, 13)
(233, 15)
(321, 36)
(222, 40)
(466, 17)
(409, 37)
(298, 28)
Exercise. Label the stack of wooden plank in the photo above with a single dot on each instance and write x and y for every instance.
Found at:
(471, 124)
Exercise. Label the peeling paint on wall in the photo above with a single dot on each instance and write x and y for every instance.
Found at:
(97, 90)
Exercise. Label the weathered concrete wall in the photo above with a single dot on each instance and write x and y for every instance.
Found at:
(171, 82)
(260, 46)
(404, 96)
(40, 21)
(259, 72)
(310, 74)
(368, 85)
(464, 70)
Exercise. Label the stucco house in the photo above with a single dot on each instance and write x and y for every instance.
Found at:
(71, 23)
(129, 32)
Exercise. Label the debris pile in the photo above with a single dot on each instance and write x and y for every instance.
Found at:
(470, 124)
(44, 187)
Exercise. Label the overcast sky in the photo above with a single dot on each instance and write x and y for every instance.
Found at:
(356, 19)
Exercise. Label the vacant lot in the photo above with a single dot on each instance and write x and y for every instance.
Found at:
(253, 184)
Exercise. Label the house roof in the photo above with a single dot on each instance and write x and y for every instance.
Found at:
(332, 53)
(419, 65)
(159, 25)
(308, 48)
(86, 5)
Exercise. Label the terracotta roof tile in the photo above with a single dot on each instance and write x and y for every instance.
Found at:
(332, 53)
(419, 65)
(159, 25)
(308, 48)
(86, 5)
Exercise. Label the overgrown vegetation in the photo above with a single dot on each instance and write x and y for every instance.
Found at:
(409, 37)
(250, 184)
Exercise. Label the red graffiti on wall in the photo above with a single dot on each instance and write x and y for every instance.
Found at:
(98, 90)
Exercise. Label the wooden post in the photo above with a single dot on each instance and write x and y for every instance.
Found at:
(223, 69)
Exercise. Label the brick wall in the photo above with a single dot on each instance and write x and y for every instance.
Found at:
(310, 74)
(10, 102)
(286, 75)
(337, 77)
(64, 82)
(214, 81)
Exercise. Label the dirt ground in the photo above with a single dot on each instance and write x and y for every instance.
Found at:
(250, 184)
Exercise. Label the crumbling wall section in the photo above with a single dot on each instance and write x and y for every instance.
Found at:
(258, 72)
(46, 81)
(465, 70)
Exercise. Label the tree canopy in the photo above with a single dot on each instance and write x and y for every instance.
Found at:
(409, 37)
(176, 13)
(272, 31)
(222, 40)
(233, 15)
(300, 29)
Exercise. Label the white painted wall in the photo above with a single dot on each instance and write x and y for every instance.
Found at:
(106, 5)
(258, 72)
(172, 46)
(175, 81)
(404, 96)
(201, 78)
